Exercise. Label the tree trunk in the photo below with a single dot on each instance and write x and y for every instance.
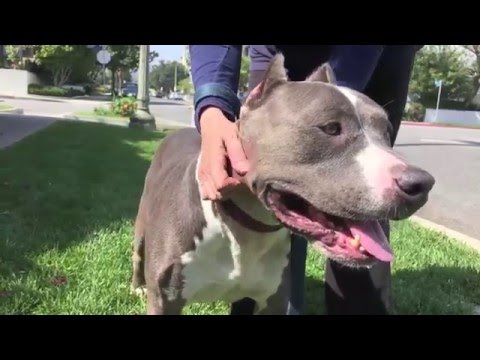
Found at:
(112, 84)
(476, 87)
(61, 75)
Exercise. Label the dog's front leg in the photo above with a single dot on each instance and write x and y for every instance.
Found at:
(164, 296)
(277, 304)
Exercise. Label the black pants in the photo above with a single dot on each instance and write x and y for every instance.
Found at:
(347, 291)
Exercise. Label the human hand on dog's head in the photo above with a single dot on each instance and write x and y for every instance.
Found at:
(222, 159)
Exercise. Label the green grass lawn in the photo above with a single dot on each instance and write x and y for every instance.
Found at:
(106, 114)
(4, 107)
(68, 197)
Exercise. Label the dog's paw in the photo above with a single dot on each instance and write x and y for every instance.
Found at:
(140, 291)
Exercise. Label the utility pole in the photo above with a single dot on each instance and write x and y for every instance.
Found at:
(142, 117)
(438, 83)
(175, 79)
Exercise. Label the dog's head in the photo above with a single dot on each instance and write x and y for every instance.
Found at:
(321, 161)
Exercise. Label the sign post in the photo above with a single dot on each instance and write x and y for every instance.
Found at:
(104, 57)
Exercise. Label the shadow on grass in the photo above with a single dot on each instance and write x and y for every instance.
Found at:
(65, 182)
(434, 290)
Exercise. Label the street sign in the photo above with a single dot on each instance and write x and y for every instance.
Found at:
(103, 57)
(438, 83)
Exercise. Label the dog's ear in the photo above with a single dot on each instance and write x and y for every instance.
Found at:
(323, 73)
(275, 75)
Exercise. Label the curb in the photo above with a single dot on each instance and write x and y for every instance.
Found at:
(414, 123)
(54, 99)
(462, 238)
(12, 111)
(162, 124)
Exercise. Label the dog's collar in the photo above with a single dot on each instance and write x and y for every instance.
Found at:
(233, 211)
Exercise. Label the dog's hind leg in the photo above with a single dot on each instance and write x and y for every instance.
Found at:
(138, 258)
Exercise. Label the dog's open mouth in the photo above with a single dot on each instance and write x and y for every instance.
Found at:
(341, 238)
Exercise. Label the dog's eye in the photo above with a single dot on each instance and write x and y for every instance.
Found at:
(332, 129)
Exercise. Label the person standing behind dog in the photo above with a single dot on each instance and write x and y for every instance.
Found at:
(381, 72)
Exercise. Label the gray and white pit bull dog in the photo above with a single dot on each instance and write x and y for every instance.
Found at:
(321, 166)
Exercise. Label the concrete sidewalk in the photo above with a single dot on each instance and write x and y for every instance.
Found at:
(14, 127)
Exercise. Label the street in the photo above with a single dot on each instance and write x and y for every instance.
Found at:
(160, 108)
(452, 155)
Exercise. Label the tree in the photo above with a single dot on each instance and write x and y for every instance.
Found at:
(14, 54)
(124, 58)
(244, 71)
(185, 85)
(441, 63)
(474, 50)
(62, 60)
(163, 75)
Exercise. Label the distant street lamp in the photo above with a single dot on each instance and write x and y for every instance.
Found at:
(142, 117)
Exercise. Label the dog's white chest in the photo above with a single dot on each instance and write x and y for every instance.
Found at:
(231, 263)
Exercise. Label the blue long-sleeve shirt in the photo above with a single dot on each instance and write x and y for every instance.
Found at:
(216, 69)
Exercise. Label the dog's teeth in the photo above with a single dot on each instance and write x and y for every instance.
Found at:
(355, 241)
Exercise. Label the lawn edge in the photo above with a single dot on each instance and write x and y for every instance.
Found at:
(453, 234)
(11, 110)
(162, 124)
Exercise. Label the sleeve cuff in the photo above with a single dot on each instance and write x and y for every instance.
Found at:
(213, 102)
(219, 96)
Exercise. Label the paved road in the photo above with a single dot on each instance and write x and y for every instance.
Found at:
(162, 109)
(452, 155)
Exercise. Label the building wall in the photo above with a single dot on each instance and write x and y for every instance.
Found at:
(453, 117)
(15, 82)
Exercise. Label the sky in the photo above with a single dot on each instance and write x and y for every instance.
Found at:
(167, 52)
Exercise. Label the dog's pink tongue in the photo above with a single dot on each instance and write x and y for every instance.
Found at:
(373, 239)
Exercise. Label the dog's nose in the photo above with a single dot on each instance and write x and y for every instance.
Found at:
(414, 183)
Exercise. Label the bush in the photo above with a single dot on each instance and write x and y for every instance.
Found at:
(35, 89)
(100, 89)
(415, 112)
(125, 106)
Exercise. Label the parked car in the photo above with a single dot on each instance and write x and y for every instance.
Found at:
(130, 89)
(175, 96)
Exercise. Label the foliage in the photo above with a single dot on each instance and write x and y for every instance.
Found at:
(415, 112)
(124, 106)
(13, 54)
(244, 72)
(474, 50)
(124, 58)
(444, 63)
(163, 75)
(63, 60)
(185, 86)
(35, 89)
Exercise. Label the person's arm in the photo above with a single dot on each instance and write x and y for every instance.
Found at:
(354, 65)
(215, 75)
